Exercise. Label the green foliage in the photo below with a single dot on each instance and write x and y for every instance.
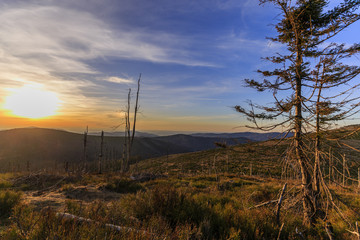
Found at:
(5, 184)
(123, 185)
(263, 193)
(8, 199)
(175, 208)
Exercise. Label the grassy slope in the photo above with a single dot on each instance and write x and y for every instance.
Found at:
(190, 201)
(266, 158)
(263, 156)
(186, 207)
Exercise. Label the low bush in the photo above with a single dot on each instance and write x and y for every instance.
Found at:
(8, 199)
(5, 184)
(123, 185)
(177, 209)
(46, 224)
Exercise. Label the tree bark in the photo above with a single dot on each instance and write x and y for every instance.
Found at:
(306, 180)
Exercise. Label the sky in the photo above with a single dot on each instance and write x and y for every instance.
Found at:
(81, 57)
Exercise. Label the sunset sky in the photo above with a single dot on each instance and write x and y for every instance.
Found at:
(79, 58)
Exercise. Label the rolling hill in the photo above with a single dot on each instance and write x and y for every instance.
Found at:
(49, 147)
(262, 157)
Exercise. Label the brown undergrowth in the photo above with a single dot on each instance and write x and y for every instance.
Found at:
(222, 206)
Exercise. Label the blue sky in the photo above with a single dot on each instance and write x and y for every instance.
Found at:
(193, 56)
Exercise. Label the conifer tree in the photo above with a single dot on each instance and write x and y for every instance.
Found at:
(306, 28)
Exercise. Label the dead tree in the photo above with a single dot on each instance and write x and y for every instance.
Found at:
(130, 134)
(101, 152)
(326, 108)
(85, 148)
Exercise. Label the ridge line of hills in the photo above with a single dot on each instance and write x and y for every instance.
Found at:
(43, 147)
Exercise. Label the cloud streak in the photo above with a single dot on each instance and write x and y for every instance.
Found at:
(120, 80)
(62, 40)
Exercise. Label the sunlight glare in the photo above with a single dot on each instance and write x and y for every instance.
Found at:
(32, 102)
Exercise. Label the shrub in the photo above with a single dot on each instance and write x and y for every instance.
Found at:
(5, 184)
(177, 209)
(123, 185)
(8, 199)
(30, 224)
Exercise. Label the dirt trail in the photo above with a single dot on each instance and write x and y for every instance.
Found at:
(56, 199)
(51, 190)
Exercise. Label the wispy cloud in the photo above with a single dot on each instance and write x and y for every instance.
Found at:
(119, 80)
(53, 45)
(239, 44)
(61, 40)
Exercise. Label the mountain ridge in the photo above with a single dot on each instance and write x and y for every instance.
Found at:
(42, 147)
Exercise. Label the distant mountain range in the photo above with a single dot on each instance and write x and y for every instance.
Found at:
(48, 147)
(122, 134)
(248, 135)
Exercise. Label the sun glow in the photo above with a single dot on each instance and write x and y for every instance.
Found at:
(32, 102)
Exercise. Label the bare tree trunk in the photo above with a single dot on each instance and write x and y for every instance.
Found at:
(124, 146)
(85, 148)
(344, 167)
(136, 109)
(317, 161)
(101, 152)
(317, 145)
(306, 180)
(129, 136)
(358, 180)
(329, 231)
(279, 204)
(135, 114)
(330, 166)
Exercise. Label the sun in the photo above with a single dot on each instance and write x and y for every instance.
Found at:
(32, 102)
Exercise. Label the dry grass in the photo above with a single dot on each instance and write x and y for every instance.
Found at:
(187, 207)
(190, 198)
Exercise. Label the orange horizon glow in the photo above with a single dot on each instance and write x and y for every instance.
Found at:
(95, 123)
(33, 105)
(31, 102)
